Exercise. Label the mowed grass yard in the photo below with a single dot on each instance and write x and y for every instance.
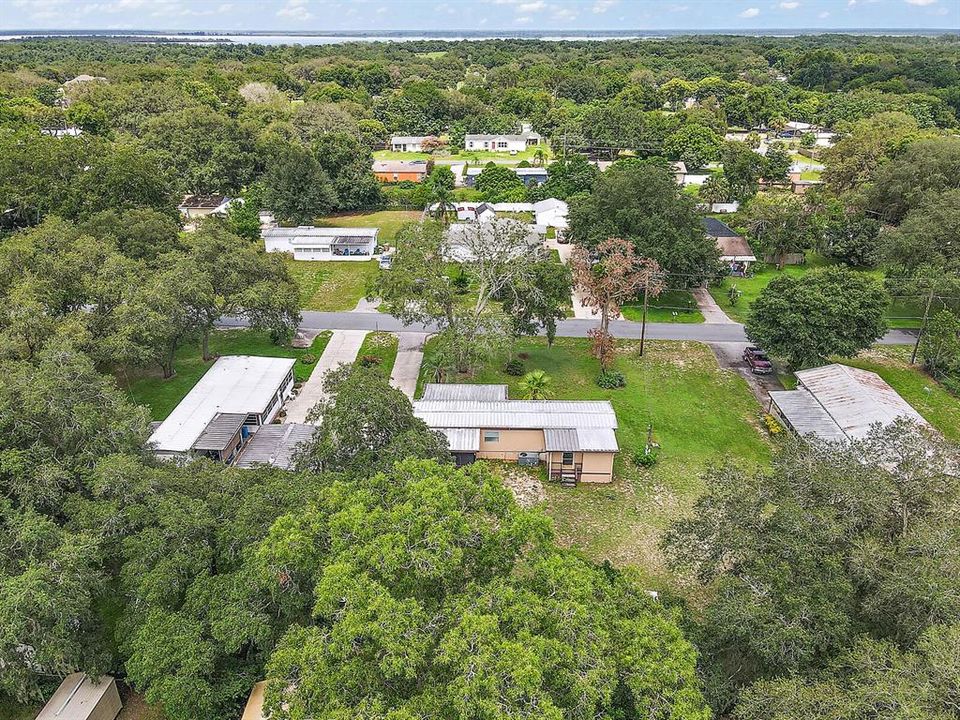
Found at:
(332, 286)
(389, 221)
(701, 415)
(926, 395)
(381, 345)
(902, 313)
(162, 396)
(676, 306)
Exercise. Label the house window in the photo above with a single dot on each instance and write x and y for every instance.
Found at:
(568, 458)
(501, 144)
(491, 436)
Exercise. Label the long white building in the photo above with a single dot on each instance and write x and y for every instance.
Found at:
(322, 243)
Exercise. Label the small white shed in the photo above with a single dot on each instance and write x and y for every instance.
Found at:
(79, 697)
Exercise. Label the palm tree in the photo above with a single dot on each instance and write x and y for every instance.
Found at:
(539, 156)
(536, 385)
(441, 198)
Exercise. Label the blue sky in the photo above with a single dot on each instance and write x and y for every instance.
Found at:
(374, 15)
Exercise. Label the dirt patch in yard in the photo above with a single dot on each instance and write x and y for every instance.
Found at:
(525, 484)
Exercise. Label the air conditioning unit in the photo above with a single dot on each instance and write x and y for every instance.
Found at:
(528, 458)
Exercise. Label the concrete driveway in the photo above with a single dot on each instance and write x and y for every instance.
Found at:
(406, 369)
(342, 347)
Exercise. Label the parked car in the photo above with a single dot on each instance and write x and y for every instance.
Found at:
(758, 361)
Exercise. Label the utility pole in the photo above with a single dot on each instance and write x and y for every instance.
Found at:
(643, 326)
(923, 327)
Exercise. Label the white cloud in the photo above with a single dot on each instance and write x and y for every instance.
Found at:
(921, 3)
(522, 20)
(851, 3)
(601, 6)
(529, 7)
(750, 13)
(295, 9)
(678, 8)
(824, 14)
(562, 14)
(789, 5)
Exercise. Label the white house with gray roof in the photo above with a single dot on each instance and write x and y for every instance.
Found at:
(322, 243)
(505, 142)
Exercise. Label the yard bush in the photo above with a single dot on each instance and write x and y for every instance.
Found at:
(514, 367)
(611, 380)
(369, 361)
(644, 458)
(308, 358)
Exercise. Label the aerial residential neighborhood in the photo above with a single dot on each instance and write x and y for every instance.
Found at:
(357, 365)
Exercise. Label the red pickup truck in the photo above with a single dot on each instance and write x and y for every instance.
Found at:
(758, 361)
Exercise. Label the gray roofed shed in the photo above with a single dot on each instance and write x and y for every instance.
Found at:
(438, 391)
(275, 445)
(805, 415)
(219, 433)
(79, 697)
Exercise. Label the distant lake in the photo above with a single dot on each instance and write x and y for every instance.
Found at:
(212, 38)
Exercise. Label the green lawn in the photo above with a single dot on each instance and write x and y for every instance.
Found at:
(926, 395)
(162, 396)
(331, 286)
(382, 345)
(902, 313)
(11, 710)
(389, 221)
(672, 306)
(700, 416)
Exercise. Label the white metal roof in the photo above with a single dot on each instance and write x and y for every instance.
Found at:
(462, 439)
(235, 384)
(805, 415)
(77, 698)
(275, 445)
(316, 233)
(597, 439)
(408, 139)
(464, 391)
(516, 414)
(855, 398)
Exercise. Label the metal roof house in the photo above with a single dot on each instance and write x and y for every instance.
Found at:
(216, 418)
(322, 243)
(198, 206)
(838, 402)
(575, 438)
(274, 445)
(79, 697)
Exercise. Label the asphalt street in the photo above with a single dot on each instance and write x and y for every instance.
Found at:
(699, 332)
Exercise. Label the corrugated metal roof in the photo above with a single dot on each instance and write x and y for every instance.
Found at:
(78, 697)
(464, 391)
(275, 445)
(560, 439)
(517, 414)
(805, 415)
(400, 166)
(235, 383)
(462, 439)
(597, 439)
(219, 432)
(855, 398)
(309, 232)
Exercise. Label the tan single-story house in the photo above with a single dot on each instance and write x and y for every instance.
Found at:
(576, 439)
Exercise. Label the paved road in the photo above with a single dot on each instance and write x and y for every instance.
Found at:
(698, 332)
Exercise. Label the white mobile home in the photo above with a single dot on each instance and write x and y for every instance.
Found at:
(235, 396)
(319, 243)
(407, 143)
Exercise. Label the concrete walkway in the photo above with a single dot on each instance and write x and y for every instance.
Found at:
(406, 369)
(709, 309)
(367, 306)
(342, 348)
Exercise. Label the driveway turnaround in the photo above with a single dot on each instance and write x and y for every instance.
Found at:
(342, 347)
(406, 369)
